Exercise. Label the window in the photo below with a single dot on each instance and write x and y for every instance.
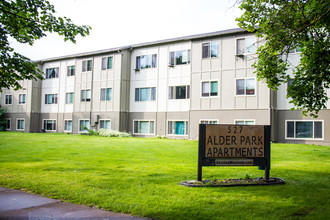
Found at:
(106, 63)
(21, 98)
(146, 61)
(295, 50)
(51, 73)
(245, 122)
(83, 125)
(68, 125)
(209, 88)
(210, 49)
(290, 82)
(145, 94)
(20, 124)
(144, 127)
(105, 124)
(297, 129)
(106, 94)
(179, 57)
(209, 122)
(245, 86)
(179, 92)
(245, 45)
(178, 127)
(86, 95)
(9, 99)
(49, 125)
(51, 99)
(8, 124)
(86, 65)
(71, 71)
(69, 98)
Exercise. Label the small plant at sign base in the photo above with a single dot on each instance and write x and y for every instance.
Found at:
(248, 176)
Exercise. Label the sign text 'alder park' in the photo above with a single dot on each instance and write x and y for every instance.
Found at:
(234, 145)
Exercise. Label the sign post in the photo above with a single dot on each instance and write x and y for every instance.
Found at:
(234, 145)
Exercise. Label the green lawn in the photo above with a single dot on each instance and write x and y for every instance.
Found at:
(141, 176)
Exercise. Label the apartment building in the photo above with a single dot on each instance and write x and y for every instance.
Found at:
(165, 88)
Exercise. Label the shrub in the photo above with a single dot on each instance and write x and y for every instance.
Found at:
(113, 133)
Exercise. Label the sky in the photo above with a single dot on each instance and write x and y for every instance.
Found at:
(118, 23)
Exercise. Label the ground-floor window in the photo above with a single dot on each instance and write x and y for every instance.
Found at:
(105, 124)
(297, 129)
(20, 125)
(49, 125)
(209, 121)
(144, 127)
(68, 125)
(178, 127)
(8, 124)
(83, 124)
(245, 122)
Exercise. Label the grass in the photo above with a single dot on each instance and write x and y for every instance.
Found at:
(141, 177)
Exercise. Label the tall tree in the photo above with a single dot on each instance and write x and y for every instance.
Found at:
(287, 25)
(27, 21)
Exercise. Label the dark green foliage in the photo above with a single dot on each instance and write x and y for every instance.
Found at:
(287, 25)
(27, 21)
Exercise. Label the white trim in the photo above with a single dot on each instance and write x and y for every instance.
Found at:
(244, 54)
(209, 81)
(245, 95)
(79, 125)
(140, 93)
(6, 99)
(9, 124)
(16, 124)
(147, 120)
(245, 120)
(43, 124)
(209, 42)
(25, 98)
(208, 120)
(104, 120)
(71, 125)
(177, 135)
(294, 130)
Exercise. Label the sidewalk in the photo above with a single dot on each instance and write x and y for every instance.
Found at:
(16, 204)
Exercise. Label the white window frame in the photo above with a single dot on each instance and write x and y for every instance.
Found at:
(210, 51)
(55, 99)
(104, 120)
(174, 92)
(9, 119)
(151, 100)
(85, 100)
(178, 135)
(208, 121)
(170, 64)
(66, 98)
(22, 119)
(255, 87)
(153, 64)
(106, 63)
(57, 72)
(144, 120)
(69, 70)
(105, 100)
(71, 125)
(20, 100)
(294, 131)
(245, 53)
(245, 120)
(43, 124)
(6, 99)
(84, 65)
(83, 131)
(209, 81)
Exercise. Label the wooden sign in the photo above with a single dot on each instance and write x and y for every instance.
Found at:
(234, 145)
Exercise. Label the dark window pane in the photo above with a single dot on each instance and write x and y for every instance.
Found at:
(153, 93)
(154, 60)
(290, 129)
(240, 87)
(206, 50)
(171, 61)
(304, 129)
(138, 63)
(137, 94)
(180, 92)
(318, 133)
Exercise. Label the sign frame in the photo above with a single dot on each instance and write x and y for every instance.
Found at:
(262, 162)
